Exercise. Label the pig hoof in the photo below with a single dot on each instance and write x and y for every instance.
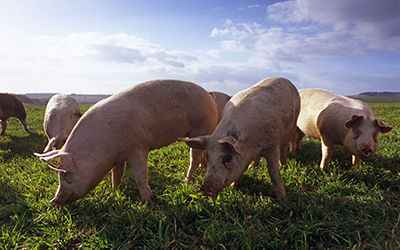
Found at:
(189, 179)
(146, 197)
(280, 195)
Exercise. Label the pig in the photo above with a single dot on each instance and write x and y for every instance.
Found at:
(124, 128)
(258, 121)
(11, 106)
(61, 115)
(338, 120)
(220, 99)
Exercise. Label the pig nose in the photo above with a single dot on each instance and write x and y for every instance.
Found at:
(207, 191)
(366, 152)
(55, 203)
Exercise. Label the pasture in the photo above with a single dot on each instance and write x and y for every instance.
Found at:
(343, 207)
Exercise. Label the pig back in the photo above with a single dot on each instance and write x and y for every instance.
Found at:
(151, 114)
(265, 113)
(313, 102)
(324, 113)
(61, 114)
(11, 106)
(220, 99)
(169, 109)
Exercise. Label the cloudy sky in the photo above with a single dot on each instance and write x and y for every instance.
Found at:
(104, 46)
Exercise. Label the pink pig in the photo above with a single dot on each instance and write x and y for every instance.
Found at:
(258, 121)
(61, 115)
(124, 128)
(339, 120)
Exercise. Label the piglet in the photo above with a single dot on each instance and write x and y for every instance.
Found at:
(124, 128)
(338, 120)
(61, 114)
(258, 121)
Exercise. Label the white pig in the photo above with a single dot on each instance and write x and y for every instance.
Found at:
(258, 121)
(124, 128)
(338, 120)
(61, 115)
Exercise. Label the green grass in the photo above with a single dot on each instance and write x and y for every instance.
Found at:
(345, 207)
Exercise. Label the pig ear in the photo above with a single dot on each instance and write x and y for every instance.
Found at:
(199, 142)
(354, 119)
(383, 127)
(57, 160)
(50, 145)
(230, 142)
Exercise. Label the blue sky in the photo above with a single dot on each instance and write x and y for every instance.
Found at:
(98, 46)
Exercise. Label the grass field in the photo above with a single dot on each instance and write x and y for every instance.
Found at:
(345, 207)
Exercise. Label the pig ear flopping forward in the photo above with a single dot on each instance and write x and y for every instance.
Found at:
(57, 160)
(383, 127)
(353, 121)
(199, 142)
(50, 145)
(230, 142)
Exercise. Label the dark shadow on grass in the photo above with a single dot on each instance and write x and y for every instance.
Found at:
(22, 146)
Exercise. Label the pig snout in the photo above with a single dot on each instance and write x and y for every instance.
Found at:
(211, 186)
(55, 202)
(63, 197)
(366, 152)
(207, 191)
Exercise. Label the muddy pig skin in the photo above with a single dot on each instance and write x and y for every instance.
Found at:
(61, 115)
(338, 120)
(11, 106)
(258, 121)
(124, 128)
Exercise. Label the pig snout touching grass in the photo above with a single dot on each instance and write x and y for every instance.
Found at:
(11, 106)
(124, 128)
(338, 120)
(258, 121)
(61, 114)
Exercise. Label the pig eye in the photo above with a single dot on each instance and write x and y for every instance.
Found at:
(356, 134)
(226, 159)
(67, 177)
(375, 137)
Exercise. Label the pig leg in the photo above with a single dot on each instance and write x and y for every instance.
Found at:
(25, 124)
(3, 126)
(274, 173)
(295, 141)
(138, 163)
(116, 175)
(203, 160)
(196, 156)
(283, 154)
(327, 151)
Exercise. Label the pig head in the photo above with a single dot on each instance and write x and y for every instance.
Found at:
(225, 161)
(362, 136)
(74, 182)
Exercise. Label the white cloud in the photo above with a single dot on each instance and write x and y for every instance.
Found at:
(376, 23)
(81, 62)
(315, 39)
(252, 6)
